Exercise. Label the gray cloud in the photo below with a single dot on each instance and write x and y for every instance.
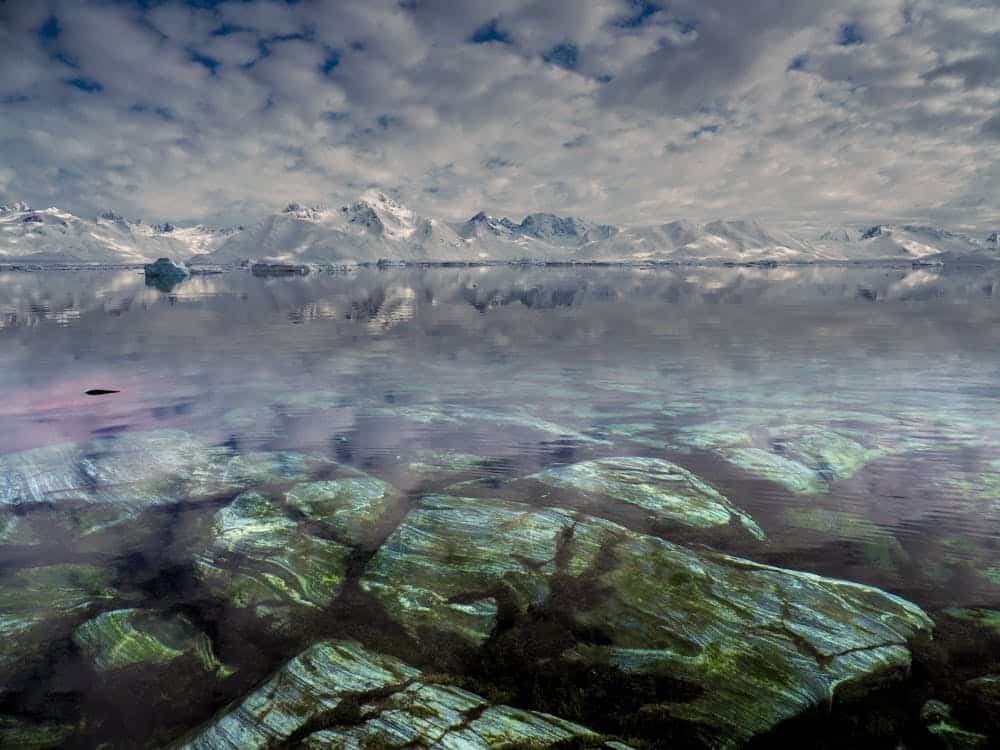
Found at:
(620, 110)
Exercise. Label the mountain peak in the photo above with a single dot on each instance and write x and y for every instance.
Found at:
(382, 216)
(879, 230)
(15, 207)
(300, 211)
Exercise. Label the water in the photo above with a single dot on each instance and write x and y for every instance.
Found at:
(851, 412)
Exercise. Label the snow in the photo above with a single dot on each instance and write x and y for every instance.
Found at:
(52, 235)
(377, 227)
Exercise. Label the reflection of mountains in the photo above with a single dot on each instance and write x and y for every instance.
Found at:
(632, 300)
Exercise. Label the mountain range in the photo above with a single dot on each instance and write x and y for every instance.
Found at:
(375, 227)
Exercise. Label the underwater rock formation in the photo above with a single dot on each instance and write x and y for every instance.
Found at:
(90, 487)
(353, 508)
(760, 644)
(19, 734)
(338, 694)
(263, 561)
(803, 458)
(127, 637)
(43, 604)
(666, 491)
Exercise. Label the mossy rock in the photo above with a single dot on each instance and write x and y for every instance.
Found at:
(338, 694)
(264, 562)
(41, 605)
(759, 645)
(128, 637)
(880, 547)
(21, 734)
(664, 491)
(355, 508)
(803, 458)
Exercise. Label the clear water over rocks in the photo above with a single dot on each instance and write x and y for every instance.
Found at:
(501, 508)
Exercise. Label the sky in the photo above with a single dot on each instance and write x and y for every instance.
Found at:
(818, 113)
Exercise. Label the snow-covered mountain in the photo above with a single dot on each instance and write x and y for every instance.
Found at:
(724, 241)
(375, 227)
(51, 235)
(371, 229)
(907, 242)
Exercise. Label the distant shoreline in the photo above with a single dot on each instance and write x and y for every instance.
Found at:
(285, 269)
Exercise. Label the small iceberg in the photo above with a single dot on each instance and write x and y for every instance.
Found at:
(165, 274)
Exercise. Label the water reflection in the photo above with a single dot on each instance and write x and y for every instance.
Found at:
(848, 412)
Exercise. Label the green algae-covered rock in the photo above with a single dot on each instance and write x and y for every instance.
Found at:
(880, 547)
(803, 458)
(43, 604)
(434, 716)
(354, 508)
(131, 471)
(337, 694)
(326, 677)
(247, 471)
(518, 417)
(126, 472)
(265, 560)
(986, 618)
(941, 725)
(982, 698)
(666, 491)
(984, 693)
(262, 561)
(126, 637)
(437, 463)
(443, 567)
(19, 734)
(797, 477)
(640, 433)
(761, 644)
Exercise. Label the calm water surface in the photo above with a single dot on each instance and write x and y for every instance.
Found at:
(851, 412)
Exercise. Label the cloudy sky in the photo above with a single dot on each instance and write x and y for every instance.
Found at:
(801, 111)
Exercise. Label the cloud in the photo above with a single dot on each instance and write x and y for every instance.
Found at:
(619, 110)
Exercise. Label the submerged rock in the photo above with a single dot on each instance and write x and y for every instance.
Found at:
(940, 723)
(78, 490)
(130, 470)
(985, 618)
(639, 432)
(232, 473)
(805, 459)
(436, 463)
(337, 694)
(39, 606)
(879, 547)
(760, 644)
(126, 637)
(516, 417)
(666, 491)
(18, 734)
(446, 564)
(263, 561)
(984, 693)
(354, 508)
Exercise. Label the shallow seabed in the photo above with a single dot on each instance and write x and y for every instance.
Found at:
(501, 507)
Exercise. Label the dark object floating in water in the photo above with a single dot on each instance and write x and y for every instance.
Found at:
(100, 391)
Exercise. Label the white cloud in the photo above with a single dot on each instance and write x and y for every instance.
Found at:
(695, 109)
